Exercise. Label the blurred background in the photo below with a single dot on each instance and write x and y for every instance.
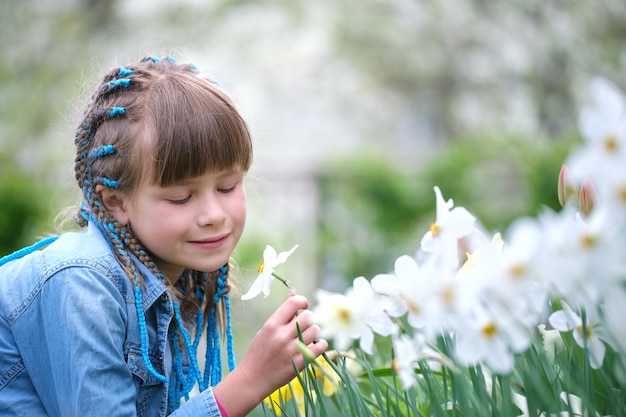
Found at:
(357, 108)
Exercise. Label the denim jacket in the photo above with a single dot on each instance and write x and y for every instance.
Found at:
(69, 336)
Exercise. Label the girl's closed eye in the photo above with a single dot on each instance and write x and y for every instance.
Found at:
(179, 200)
(228, 189)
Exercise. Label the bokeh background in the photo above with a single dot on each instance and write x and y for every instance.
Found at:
(357, 108)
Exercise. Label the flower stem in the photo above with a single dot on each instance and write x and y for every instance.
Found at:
(289, 285)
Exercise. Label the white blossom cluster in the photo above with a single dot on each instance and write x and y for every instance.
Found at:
(494, 294)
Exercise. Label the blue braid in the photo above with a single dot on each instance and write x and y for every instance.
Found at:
(111, 85)
(100, 151)
(124, 72)
(29, 249)
(213, 368)
(216, 362)
(199, 318)
(142, 329)
(182, 386)
(116, 110)
(230, 345)
(107, 181)
(195, 369)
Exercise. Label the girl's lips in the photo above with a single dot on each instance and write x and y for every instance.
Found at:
(210, 243)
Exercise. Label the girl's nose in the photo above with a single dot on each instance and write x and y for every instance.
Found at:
(211, 211)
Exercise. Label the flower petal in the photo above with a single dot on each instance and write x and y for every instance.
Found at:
(261, 283)
(282, 257)
(269, 256)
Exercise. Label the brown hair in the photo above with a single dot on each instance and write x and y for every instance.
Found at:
(160, 122)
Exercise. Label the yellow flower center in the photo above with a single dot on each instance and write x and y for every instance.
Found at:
(261, 267)
(410, 304)
(490, 330)
(395, 365)
(580, 330)
(622, 192)
(344, 315)
(448, 294)
(435, 229)
(588, 240)
(610, 143)
(517, 270)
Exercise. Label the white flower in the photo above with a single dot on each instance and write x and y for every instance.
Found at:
(450, 225)
(582, 258)
(603, 125)
(353, 315)
(490, 337)
(407, 350)
(406, 289)
(566, 319)
(505, 274)
(265, 278)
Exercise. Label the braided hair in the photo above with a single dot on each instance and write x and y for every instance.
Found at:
(163, 122)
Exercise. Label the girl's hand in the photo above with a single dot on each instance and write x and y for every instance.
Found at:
(268, 364)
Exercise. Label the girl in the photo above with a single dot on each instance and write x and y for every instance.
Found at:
(107, 321)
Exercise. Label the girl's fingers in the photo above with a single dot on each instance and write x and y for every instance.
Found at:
(310, 335)
(318, 347)
(304, 319)
(289, 308)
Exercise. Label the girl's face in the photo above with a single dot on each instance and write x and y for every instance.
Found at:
(193, 224)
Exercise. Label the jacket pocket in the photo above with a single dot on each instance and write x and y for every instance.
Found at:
(149, 388)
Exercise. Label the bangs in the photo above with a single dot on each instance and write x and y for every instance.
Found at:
(196, 130)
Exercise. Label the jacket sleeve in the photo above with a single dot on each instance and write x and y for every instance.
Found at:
(203, 404)
(73, 339)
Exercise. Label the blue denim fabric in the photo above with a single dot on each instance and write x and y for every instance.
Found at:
(69, 336)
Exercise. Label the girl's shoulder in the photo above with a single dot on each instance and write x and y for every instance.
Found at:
(73, 257)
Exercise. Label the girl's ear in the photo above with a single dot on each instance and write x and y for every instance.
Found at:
(115, 202)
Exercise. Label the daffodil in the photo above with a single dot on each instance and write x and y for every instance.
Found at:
(451, 224)
(357, 314)
(490, 336)
(407, 351)
(266, 272)
(587, 334)
(602, 123)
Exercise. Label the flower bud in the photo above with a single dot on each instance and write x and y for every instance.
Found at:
(567, 187)
(586, 198)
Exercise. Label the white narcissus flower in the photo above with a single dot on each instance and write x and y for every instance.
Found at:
(602, 123)
(406, 289)
(265, 278)
(582, 258)
(450, 225)
(407, 350)
(357, 314)
(490, 337)
(566, 320)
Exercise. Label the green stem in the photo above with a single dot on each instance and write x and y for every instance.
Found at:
(289, 285)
